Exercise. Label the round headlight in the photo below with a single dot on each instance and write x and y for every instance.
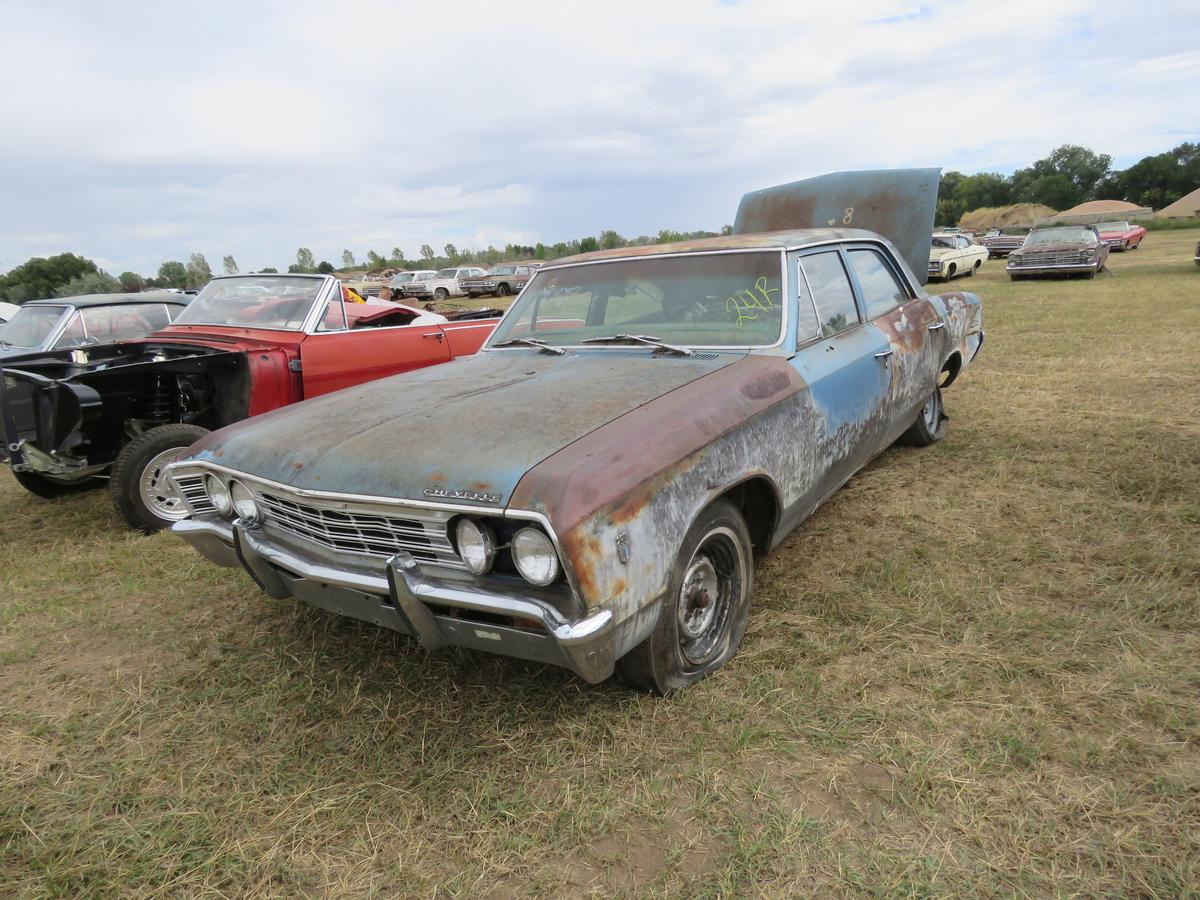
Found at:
(475, 545)
(243, 501)
(218, 493)
(534, 556)
(1091, 251)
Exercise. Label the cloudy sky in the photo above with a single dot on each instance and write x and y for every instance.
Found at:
(138, 132)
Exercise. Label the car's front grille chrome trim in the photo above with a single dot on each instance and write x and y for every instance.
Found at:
(372, 534)
(195, 494)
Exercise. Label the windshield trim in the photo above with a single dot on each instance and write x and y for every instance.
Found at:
(311, 318)
(785, 319)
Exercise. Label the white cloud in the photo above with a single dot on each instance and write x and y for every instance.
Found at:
(148, 131)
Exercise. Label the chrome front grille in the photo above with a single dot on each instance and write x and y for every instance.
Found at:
(192, 489)
(1066, 258)
(354, 531)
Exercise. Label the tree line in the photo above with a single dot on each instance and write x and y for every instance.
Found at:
(1069, 175)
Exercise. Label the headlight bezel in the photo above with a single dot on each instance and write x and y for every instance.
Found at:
(487, 540)
(218, 494)
(254, 513)
(547, 552)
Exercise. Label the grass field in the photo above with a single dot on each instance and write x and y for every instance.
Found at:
(976, 672)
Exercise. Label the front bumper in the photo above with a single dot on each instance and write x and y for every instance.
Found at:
(1053, 268)
(437, 612)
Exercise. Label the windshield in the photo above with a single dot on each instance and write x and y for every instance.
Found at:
(447, 273)
(1060, 236)
(706, 300)
(1113, 226)
(401, 279)
(946, 243)
(253, 301)
(503, 270)
(31, 325)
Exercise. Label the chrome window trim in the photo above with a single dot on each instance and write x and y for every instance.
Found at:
(783, 319)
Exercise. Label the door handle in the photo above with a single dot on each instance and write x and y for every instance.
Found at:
(937, 326)
(433, 334)
(884, 355)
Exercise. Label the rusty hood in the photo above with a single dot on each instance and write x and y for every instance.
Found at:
(896, 203)
(464, 432)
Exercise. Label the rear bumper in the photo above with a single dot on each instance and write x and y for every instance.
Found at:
(437, 612)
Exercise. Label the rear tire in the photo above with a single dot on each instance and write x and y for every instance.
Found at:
(441, 294)
(705, 610)
(503, 290)
(144, 497)
(930, 425)
(48, 488)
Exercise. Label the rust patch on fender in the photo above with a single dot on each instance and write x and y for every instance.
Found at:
(766, 385)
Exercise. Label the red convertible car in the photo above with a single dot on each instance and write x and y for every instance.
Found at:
(1121, 235)
(246, 345)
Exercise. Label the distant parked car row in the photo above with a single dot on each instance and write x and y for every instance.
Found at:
(500, 280)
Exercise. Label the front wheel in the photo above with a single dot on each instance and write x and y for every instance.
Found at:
(48, 487)
(502, 290)
(441, 294)
(705, 609)
(143, 494)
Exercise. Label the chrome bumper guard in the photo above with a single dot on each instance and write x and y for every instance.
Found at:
(410, 602)
(1052, 267)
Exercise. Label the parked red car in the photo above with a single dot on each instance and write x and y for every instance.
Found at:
(246, 345)
(1121, 235)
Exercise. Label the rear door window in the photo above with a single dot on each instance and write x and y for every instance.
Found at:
(829, 287)
(881, 290)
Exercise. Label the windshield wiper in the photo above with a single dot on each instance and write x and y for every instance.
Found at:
(647, 339)
(532, 342)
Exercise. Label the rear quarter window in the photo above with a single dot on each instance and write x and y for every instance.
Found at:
(882, 291)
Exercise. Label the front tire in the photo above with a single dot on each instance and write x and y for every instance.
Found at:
(441, 294)
(503, 290)
(930, 425)
(48, 488)
(705, 610)
(143, 495)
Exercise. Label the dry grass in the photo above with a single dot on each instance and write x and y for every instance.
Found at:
(975, 673)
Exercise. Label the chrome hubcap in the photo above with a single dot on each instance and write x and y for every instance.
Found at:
(156, 490)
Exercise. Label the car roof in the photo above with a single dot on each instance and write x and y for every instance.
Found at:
(85, 300)
(792, 239)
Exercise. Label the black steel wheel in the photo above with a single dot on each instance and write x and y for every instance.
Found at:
(930, 424)
(503, 290)
(143, 494)
(705, 610)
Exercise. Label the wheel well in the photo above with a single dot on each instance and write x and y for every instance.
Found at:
(759, 505)
(951, 367)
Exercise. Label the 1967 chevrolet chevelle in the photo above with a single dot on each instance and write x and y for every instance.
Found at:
(591, 489)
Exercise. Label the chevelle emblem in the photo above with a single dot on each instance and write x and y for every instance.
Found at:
(443, 494)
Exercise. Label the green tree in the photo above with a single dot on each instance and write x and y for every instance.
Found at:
(1067, 177)
(347, 260)
(41, 277)
(325, 267)
(375, 261)
(173, 274)
(588, 244)
(1159, 180)
(98, 282)
(610, 240)
(397, 256)
(230, 265)
(131, 282)
(197, 272)
(426, 252)
(305, 262)
(269, 270)
(451, 252)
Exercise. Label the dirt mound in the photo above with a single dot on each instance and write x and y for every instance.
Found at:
(1101, 206)
(1016, 214)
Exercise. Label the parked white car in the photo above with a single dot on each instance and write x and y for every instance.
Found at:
(7, 311)
(954, 254)
(400, 279)
(444, 284)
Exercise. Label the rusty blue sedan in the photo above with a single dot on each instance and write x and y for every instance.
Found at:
(591, 490)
